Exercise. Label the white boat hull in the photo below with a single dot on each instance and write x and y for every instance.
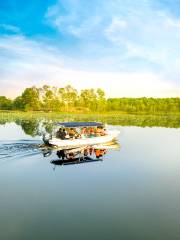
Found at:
(72, 143)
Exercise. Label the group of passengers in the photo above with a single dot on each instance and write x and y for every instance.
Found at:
(67, 134)
(72, 133)
(61, 133)
(93, 132)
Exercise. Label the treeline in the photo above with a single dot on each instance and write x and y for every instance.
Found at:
(55, 99)
(152, 105)
(68, 99)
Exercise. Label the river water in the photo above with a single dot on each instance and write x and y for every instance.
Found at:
(133, 193)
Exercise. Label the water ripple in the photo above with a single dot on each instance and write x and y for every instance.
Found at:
(18, 149)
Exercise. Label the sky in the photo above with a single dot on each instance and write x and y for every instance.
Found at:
(128, 48)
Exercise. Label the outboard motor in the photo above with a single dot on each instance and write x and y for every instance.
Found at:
(46, 138)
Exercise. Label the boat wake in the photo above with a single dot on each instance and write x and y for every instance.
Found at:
(18, 149)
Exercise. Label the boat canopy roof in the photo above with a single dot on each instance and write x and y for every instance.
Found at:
(79, 124)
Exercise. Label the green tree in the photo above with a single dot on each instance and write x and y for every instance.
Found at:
(18, 103)
(30, 99)
(5, 103)
(101, 100)
(88, 99)
(47, 98)
(69, 97)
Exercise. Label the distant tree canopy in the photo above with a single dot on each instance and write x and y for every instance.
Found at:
(68, 99)
(152, 105)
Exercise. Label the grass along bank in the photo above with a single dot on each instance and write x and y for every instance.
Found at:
(113, 118)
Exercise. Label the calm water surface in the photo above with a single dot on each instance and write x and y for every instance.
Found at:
(134, 193)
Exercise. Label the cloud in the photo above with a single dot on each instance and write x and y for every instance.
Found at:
(74, 18)
(129, 48)
(172, 23)
(10, 28)
(115, 29)
(126, 31)
(27, 62)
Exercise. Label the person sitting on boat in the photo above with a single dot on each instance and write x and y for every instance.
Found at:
(59, 133)
(63, 134)
(84, 132)
(92, 132)
(72, 133)
(77, 136)
(98, 132)
(103, 132)
(87, 133)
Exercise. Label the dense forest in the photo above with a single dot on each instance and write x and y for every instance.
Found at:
(68, 99)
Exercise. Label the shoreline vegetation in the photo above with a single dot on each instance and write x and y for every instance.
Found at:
(67, 100)
(30, 121)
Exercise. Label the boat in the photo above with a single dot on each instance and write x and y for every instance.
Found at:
(83, 140)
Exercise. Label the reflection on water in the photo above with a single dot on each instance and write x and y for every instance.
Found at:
(79, 155)
(36, 126)
(132, 194)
